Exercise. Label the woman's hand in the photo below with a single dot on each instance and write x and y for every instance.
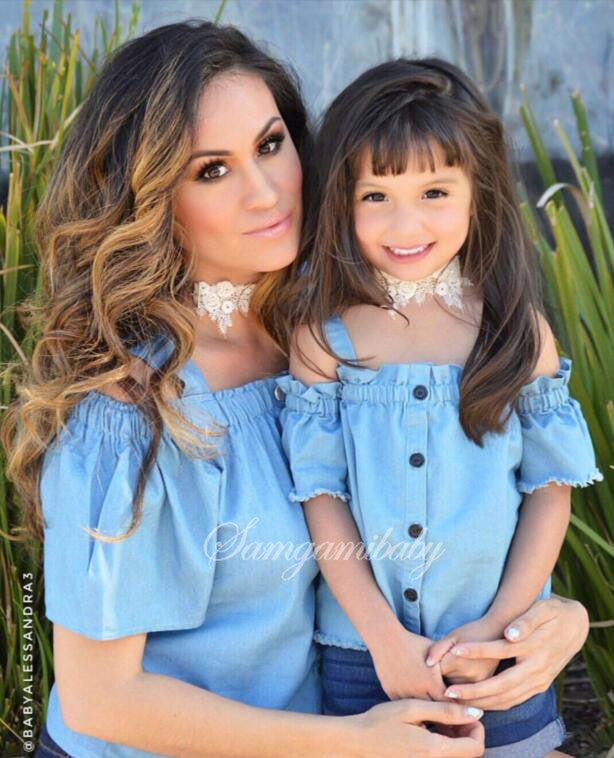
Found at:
(397, 730)
(457, 670)
(543, 640)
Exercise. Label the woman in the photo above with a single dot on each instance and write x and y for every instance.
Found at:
(164, 640)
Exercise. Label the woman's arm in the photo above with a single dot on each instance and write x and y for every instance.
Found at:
(105, 693)
(543, 640)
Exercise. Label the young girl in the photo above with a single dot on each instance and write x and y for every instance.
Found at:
(428, 420)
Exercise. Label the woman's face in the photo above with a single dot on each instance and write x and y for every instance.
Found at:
(412, 224)
(239, 202)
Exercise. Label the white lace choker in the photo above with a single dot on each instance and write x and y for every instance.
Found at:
(219, 301)
(446, 282)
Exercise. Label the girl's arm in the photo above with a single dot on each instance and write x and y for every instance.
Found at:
(540, 532)
(338, 545)
(542, 524)
(105, 693)
(544, 517)
(399, 655)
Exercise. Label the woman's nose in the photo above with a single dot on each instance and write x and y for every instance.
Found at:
(261, 191)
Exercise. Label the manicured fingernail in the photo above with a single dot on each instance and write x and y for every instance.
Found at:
(512, 633)
(458, 651)
(452, 694)
(430, 661)
(475, 713)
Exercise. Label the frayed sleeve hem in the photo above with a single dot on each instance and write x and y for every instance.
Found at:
(529, 487)
(300, 498)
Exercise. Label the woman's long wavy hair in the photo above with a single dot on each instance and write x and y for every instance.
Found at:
(399, 109)
(114, 274)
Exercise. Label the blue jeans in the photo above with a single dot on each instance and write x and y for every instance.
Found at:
(47, 747)
(528, 730)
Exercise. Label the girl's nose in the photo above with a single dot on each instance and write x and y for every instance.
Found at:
(407, 225)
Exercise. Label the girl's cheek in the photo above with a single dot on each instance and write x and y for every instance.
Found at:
(365, 223)
(453, 218)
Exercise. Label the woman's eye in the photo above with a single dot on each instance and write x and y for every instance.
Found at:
(440, 193)
(274, 142)
(210, 171)
(378, 195)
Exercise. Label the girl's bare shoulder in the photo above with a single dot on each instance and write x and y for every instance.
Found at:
(309, 360)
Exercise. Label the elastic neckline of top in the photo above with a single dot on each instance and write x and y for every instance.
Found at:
(155, 351)
(224, 391)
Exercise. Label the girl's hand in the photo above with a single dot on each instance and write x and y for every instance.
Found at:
(395, 729)
(457, 670)
(401, 667)
(545, 639)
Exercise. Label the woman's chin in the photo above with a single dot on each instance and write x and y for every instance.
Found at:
(278, 261)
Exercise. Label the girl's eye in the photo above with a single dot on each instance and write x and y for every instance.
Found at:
(210, 171)
(379, 195)
(441, 193)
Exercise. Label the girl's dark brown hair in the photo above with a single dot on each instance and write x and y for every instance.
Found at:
(113, 272)
(402, 108)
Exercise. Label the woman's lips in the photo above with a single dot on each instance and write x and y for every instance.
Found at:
(407, 257)
(275, 230)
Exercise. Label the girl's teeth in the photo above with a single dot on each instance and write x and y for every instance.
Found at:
(408, 250)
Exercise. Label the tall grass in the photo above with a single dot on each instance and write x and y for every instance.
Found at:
(578, 263)
(46, 75)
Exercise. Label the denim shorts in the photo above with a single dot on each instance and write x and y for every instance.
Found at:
(529, 730)
(47, 747)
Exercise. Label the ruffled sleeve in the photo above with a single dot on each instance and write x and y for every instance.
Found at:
(556, 446)
(157, 579)
(312, 438)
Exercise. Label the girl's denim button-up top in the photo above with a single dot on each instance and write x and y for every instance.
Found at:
(436, 511)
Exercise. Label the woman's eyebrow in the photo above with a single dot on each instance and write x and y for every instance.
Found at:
(260, 134)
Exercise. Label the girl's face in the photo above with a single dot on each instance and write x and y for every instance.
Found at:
(239, 202)
(412, 224)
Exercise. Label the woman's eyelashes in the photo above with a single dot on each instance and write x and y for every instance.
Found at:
(269, 146)
(428, 193)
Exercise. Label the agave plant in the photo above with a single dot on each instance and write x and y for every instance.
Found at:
(578, 264)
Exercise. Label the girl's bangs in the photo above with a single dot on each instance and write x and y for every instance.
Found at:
(420, 137)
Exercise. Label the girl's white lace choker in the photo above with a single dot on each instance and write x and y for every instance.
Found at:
(219, 301)
(447, 282)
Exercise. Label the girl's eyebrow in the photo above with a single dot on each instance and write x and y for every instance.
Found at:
(260, 134)
(441, 180)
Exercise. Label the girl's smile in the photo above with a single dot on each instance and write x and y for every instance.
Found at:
(408, 255)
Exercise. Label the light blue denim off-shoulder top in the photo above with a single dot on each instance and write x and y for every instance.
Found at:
(436, 511)
(214, 615)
